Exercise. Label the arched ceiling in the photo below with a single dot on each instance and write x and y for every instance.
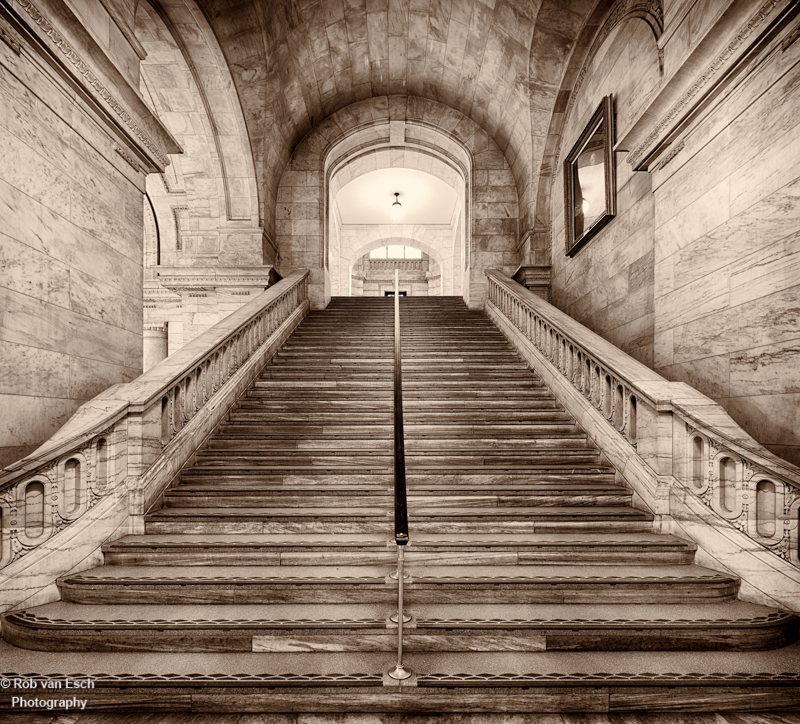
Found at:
(295, 63)
(368, 199)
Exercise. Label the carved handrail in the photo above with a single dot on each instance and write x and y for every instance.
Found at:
(703, 451)
(113, 440)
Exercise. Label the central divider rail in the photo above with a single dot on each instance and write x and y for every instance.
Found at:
(399, 672)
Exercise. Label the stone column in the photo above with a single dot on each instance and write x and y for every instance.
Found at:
(155, 345)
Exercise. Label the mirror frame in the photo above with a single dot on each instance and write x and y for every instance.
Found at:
(603, 114)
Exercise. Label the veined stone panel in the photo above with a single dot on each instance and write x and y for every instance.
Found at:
(70, 256)
(727, 289)
(608, 284)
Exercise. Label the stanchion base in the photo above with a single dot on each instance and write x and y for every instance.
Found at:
(399, 675)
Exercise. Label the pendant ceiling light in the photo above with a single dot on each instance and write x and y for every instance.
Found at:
(396, 210)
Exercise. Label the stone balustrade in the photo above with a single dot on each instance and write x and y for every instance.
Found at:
(392, 264)
(686, 460)
(99, 474)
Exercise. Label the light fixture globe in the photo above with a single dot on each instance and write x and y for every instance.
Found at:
(396, 209)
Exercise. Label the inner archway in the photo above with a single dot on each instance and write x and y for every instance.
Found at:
(429, 193)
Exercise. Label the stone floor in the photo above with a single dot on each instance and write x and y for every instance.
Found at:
(531, 718)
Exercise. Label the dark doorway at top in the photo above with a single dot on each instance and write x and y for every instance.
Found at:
(391, 294)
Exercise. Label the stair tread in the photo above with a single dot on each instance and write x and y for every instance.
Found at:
(557, 668)
(520, 512)
(719, 615)
(382, 542)
(545, 573)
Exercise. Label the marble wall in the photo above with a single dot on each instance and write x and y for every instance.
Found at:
(727, 255)
(71, 186)
(697, 276)
(608, 284)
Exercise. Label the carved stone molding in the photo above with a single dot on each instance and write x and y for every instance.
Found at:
(130, 159)
(179, 279)
(10, 38)
(636, 156)
(177, 214)
(92, 82)
(674, 152)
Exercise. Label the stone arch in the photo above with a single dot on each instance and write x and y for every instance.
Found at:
(356, 251)
(349, 166)
(577, 37)
(420, 159)
(491, 196)
(208, 195)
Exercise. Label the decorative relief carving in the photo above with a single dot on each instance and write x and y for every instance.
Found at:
(672, 153)
(130, 159)
(51, 477)
(91, 79)
(636, 155)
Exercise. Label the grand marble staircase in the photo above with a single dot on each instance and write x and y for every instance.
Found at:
(262, 582)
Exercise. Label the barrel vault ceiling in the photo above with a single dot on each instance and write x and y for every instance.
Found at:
(295, 62)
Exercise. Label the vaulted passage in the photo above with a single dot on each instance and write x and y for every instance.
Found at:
(264, 574)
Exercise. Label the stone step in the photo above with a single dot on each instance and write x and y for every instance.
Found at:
(375, 519)
(216, 629)
(604, 681)
(177, 498)
(429, 584)
(242, 550)
(242, 427)
(421, 441)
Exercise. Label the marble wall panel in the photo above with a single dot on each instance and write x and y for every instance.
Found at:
(727, 290)
(608, 285)
(70, 259)
(27, 421)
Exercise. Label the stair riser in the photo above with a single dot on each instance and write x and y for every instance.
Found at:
(464, 594)
(434, 697)
(302, 527)
(178, 557)
(240, 500)
(322, 478)
(415, 640)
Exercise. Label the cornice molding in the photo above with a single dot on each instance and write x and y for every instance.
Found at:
(9, 37)
(696, 92)
(191, 279)
(89, 80)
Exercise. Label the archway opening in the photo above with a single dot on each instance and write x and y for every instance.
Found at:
(396, 207)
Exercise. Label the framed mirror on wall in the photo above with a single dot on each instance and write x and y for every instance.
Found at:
(590, 179)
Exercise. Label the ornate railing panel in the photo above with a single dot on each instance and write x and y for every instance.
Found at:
(686, 441)
(115, 440)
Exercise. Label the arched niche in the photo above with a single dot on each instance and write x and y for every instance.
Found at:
(490, 193)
